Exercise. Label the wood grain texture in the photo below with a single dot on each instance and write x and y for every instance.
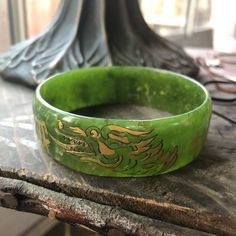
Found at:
(73, 210)
(201, 196)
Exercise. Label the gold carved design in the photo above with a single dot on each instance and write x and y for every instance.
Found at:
(107, 165)
(105, 150)
(141, 147)
(78, 130)
(106, 146)
(59, 124)
(125, 130)
(118, 138)
(43, 132)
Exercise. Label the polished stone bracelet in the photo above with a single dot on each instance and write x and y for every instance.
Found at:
(122, 147)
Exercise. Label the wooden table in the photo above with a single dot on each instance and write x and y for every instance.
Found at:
(199, 199)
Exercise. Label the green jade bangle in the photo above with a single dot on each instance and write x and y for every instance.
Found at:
(122, 147)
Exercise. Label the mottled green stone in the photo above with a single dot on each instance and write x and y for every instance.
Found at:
(122, 147)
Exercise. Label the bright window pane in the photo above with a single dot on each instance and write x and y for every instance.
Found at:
(39, 14)
(4, 35)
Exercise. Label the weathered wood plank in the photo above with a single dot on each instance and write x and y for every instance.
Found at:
(24, 196)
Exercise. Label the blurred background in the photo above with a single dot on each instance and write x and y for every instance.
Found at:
(189, 23)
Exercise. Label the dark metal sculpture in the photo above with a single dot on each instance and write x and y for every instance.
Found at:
(88, 33)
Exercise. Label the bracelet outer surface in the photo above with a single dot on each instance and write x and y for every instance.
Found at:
(121, 147)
